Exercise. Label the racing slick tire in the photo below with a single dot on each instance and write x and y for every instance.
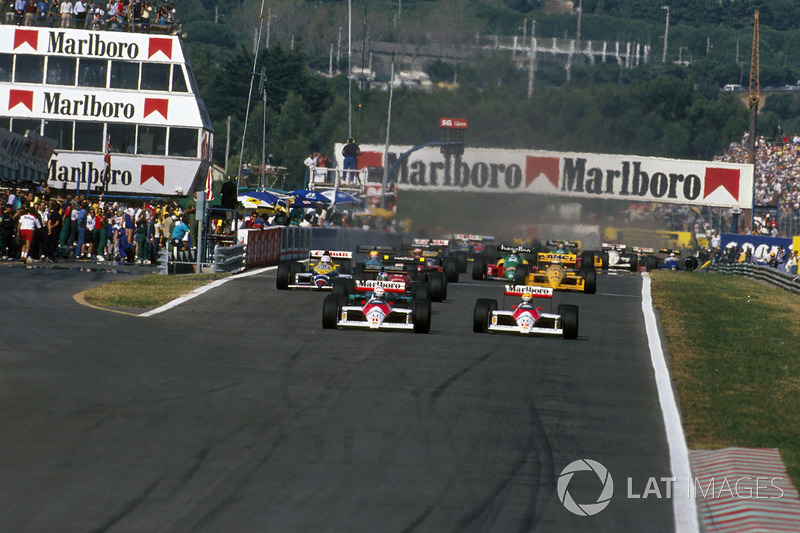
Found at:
(650, 263)
(342, 287)
(438, 287)
(462, 262)
(587, 259)
(691, 263)
(330, 311)
(569, 320)
(451, 269)
(520, 274)
(633, 260)
(483, 310)
(421, 290)
(589, 280)
(603, 260)
(283, 275)
(478, 267)
(421, 315)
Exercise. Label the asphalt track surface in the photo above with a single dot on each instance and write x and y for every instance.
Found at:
(236, 411)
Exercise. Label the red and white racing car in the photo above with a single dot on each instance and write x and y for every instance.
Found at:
(377, 304)
(525, 318)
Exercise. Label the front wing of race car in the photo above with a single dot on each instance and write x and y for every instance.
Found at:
(352, 316)
(545, 324)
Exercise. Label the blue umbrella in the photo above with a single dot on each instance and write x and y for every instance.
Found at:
(307, 194)
(266, 196)
(343, 198)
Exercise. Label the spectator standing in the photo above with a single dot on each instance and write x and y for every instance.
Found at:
(19, 12)
(66, 13)
(7, 224)
(141, 238)
(30, 12)
(79, 12)
(41, 13)
(310, 164)
(54, 225)
(53, 13)
(350, 152)
(146, 12)
(27, 224)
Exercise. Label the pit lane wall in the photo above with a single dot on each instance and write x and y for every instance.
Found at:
(569, 175)
(270, 246)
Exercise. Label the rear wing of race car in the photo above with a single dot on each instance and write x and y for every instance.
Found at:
(565, 244)
(668, 251)
(611, 246)
(468, 237)
(421, 243)
(643, 250)
(391, 269)
(335, 254)
(389, 286)
(379, 249)
(535, 291)
(520, 249)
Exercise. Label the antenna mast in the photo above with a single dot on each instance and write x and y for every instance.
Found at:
(755, 95)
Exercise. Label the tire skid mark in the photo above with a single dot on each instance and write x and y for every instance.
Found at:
(437, 393)
(129, 508)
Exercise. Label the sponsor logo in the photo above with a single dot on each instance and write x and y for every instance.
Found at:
(86, 171)
(29, 37)
(16, 97)
(159, 44)
(88, 106)
(157, 105)
(586, 509)
(155, 172)
(92, 46)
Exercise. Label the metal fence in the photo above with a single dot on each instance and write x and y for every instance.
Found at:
(770, 275)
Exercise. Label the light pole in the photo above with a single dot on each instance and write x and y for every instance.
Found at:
(666, 35)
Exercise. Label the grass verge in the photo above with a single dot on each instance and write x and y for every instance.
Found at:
(152, 290)
(734, 345)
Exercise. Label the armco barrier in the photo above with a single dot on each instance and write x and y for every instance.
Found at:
(295, 243)
(773, 276)
(263, 246)
(229, 258)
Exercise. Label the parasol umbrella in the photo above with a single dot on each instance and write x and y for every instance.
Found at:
(343, 198)
(313, 196)
(258, 199)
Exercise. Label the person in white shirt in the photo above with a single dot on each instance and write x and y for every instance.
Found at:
(66, 13)
(28, 223)
(79, 10)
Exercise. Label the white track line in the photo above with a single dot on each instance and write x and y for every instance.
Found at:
(684, 507)
(204, 288)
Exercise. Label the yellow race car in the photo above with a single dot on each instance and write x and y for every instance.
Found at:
(561, 271)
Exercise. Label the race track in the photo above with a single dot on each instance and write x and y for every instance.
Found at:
(236, 411)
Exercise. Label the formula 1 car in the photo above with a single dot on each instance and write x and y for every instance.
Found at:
(388, 307)
(466, 246)
(525, 318)
(484, 267)
(617, 257)
(670, 260)
(435, 288)
(298, 275)
(422, 260)
(561, 271)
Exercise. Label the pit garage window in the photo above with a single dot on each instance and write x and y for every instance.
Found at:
(155, 77)
(183, 142)
(92, 72)
(122, 137)
(24, 125)
(61, 131)
(30, 69)
(89, 136)
(152, 140)
(61, 70)
(124, 75)
(6, 66)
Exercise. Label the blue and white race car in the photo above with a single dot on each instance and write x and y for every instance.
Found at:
(319, 273)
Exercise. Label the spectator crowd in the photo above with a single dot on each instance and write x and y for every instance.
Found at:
(116, 15)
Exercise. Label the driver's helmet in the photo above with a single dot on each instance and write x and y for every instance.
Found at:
(379, 292)
(556, 261)
(325, 259)
(383, 275)
(373, 254)
(417, 252)
(527, 297)
(672, 254)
